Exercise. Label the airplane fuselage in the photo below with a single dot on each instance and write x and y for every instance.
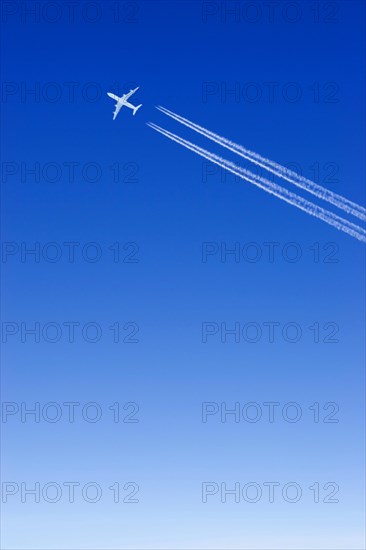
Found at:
(128, 104)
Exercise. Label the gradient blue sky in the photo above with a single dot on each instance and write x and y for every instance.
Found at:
(169, 209)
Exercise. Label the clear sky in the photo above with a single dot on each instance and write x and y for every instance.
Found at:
(144, 319)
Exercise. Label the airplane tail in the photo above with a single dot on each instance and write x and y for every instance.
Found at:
(137, 108)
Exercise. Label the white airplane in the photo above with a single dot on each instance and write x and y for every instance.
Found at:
(121, 101)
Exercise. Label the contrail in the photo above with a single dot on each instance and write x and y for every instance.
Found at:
(272, 188)
(289, 175)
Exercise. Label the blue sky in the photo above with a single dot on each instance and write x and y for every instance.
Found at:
(138, 211)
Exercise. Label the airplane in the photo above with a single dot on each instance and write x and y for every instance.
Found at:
(121, 101)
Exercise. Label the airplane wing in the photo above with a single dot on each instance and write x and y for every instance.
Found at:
(129, 94)
(117, 109)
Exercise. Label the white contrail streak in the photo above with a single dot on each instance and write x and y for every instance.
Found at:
(289, 175)
(270, 187)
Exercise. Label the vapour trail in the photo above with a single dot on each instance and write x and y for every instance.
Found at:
(272, 188)
(311, 187)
